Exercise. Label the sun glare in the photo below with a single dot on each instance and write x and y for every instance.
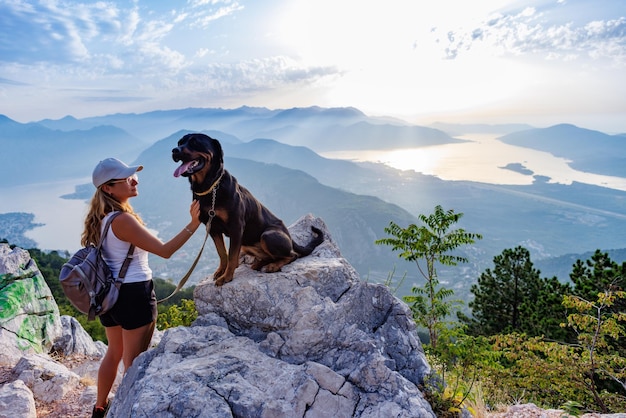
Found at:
(424, 160)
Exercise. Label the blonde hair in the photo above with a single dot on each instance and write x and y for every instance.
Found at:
(101, 204)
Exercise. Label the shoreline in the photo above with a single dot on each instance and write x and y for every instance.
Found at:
(59, 220)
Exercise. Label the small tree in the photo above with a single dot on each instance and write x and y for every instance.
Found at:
(597, 326)
(598, 275)
(433, 242)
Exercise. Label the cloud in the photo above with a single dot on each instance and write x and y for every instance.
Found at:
(12, 82)
(204, 16)
(48, 32)
(530, 32)
(116, 99)
(254, 75)
(99, 34)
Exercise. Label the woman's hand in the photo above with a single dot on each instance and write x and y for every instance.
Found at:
(194, 211)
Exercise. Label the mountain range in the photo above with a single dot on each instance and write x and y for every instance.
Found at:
(276, 155)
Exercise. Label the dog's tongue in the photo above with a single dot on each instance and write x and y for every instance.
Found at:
(183, 167)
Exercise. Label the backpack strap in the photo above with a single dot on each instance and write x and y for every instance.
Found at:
(129, 254)
(127, 260)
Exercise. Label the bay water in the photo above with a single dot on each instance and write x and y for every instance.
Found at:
(482, 160)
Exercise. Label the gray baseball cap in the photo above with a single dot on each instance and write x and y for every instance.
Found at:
(110, 169)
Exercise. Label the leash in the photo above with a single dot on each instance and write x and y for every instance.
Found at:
(208, 229)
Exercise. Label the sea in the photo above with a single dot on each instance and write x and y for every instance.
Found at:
(482, 159)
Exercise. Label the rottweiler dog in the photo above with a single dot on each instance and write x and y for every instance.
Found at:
(234, 212)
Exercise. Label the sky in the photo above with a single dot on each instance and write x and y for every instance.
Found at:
(458, 61)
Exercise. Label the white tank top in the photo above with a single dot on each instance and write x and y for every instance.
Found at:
(114, 252)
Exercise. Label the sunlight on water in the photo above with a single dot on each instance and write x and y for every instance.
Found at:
(481, 160)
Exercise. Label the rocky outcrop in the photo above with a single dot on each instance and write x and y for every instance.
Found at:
(31, 329)
(29, 316)
(309, 341)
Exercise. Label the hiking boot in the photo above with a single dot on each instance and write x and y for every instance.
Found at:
(99, 411)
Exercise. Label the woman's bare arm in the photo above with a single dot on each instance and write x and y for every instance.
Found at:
(127, 228)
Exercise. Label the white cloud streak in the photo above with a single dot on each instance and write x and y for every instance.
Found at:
(528, 32)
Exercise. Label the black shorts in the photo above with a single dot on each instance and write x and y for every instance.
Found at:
(136, 306)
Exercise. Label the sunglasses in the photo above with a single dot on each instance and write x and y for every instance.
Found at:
(128, 180)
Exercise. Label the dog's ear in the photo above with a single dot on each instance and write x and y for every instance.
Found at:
(217, 148)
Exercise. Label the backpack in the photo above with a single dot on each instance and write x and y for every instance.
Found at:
(87, 280)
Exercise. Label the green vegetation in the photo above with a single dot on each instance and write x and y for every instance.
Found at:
(176, 311)
(177, 315)
(513, 298)
(434, 243)
(528, 339)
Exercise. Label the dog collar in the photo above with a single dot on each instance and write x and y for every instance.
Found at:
(210, 188)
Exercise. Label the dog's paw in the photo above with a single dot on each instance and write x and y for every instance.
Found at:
(273, 267)
(221, 280)
(218, 273)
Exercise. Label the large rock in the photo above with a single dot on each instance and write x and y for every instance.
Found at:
(49, 380)
(29, 316)
(75, 340)
(309, 341)
(16, 400)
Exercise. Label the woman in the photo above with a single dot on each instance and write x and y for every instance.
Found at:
(130, 323)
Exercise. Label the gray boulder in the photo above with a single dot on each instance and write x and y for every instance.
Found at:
(75, 340)
(16, 400)
(309, 341)
(29, 316)
(47, 379)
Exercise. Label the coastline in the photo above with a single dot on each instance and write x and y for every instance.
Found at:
(58, 221)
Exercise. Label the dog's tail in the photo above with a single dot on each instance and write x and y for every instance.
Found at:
(308, 249)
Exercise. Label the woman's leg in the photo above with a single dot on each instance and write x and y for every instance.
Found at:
(136, 341)
(108, 368)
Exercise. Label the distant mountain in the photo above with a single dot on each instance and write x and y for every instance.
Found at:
(39, 153)
(588, 150)
(327, 171)
(321, 129)
(561, 266)
(68, 123)
(459, 129)
(153, 126)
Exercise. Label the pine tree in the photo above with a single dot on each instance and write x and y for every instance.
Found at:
(514, 298)
(597, 275)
